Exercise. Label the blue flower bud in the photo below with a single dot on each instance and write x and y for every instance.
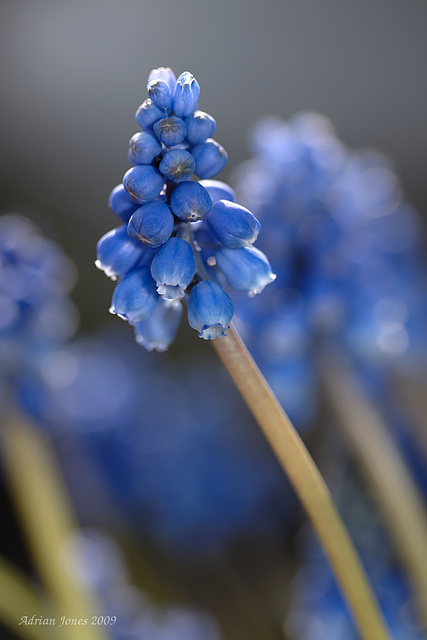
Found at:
(158, 331)
(152, 223)
(177, 165)
(173, 268)
(160, 93)
(163, 73)
(118, 253)
(143, 183)
(144, 147)
(186, 94)
(147, 114)
(209, 310)
(233, 225)
(190, 201)
(200, 126)
(210, 158)
(135, 296)
(218, 190)
(121, 203)
(246, 269)
(170, 131)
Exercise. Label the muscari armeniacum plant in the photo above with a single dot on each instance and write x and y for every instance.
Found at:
(346, 247)
(36, 313)
(182, 239)
(185, 239)
(351, 277)
(37, 317)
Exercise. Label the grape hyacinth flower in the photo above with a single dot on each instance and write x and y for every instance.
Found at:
(246, 269)
(158, 331)
(225, 224)
(345, 246)
(233, 225)
(36, 313)
(116, 251)
(173, 268)
(176, 224)
(134, 297)
(209, 310)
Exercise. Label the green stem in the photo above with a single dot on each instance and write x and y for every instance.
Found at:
(19, 598)
(307, 482)
(46, 516)
(392, 484)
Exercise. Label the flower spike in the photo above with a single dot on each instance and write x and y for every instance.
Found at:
(183, 239)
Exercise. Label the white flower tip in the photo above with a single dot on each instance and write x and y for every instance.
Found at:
(253, 292)
(171, 292)
(106, 270)
(113, 311)
(215, 331)
(160, 347)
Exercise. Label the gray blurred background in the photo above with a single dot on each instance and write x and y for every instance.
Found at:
(73, 74)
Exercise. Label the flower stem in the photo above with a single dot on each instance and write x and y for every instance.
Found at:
(411, 394)
(397, 495)
(307, 482)
(46, 516)
(19, 598)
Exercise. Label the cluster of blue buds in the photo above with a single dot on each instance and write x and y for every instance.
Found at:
(36, 314)
(181, 238)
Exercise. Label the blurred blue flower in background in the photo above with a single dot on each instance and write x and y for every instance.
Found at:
(36, 313)
(346, 249)
(318, 610)
(193, 473)
(126, 612)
